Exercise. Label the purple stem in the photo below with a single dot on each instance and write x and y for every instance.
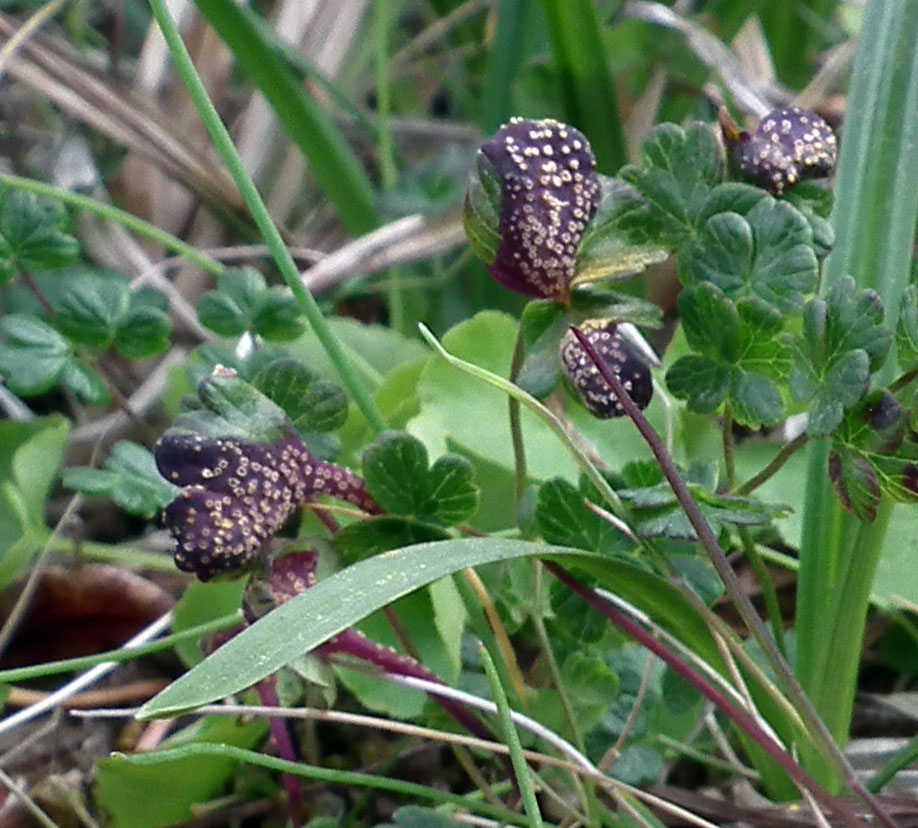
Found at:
(742, 719)
(267, 692)
(342, 483)
(353, 643)
(719, 560)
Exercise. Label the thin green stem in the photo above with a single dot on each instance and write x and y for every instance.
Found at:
(734, 589)
(70, 665)
(787, 451)
(729, 447)
(512, 741)
(704, 758)
(516, 424)
(116, 216)
(738, 716)
(557, 679)
(586, 464)
(387, 170)
(767, 585)
(905, 380)
(336, 777)
(282, 258)
(120, 553)
(904, 758)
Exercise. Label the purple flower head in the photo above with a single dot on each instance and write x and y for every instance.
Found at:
(548, 193)
(618, 356)
(244, 471)
(788, 145)
(236, 496)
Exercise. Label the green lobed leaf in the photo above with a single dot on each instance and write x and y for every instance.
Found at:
(95, 307)
(396, 472)
(86, 383)
(276, 315)
(703, 383)
(130, 478)
(371, 536)
(338, 602)
(814, 200)
(144, 331)
(30, 455)
(768, 254)
(871, 456)
(657, 513)
(711, 322)
(312, 404)
(32, 235)
(228, 310)
(677, 170)
(843, 340)
(89, 306)
(33, 355)
(907, 330)
(234, 408)
(607, 249)
(742, 358)
(563, 518)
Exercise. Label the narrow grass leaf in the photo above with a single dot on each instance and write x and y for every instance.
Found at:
(334, 164)
(874, 221)
(575, 31)
(512, 740)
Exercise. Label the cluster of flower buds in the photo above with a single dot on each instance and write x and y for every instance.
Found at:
(788, 145)
(538, 179)
(618, 356)
(238, 493)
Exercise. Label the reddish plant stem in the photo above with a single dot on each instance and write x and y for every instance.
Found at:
(267, 693)
(742, 719)
(731, 583)
(357, 645)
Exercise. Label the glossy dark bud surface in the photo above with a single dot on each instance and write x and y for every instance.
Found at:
(542, 176)
(788, 145)
(236, 496)
(618, 356)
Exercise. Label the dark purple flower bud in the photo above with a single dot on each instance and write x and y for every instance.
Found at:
(288, 576)
(238, 494)
(618, 355)
(788, 145)
(538, 179)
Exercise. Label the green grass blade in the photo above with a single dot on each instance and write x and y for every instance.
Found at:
(335, 166)
(875, 216)
(512, 741)
(282, 258)
(116, 216)
(796, 31)
(68, 665)
(505, 57)
(575, 31)
(340, 601)
(411, 790)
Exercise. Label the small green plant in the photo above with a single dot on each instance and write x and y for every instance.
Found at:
(538, 509)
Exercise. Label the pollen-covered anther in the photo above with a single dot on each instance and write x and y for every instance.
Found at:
(618, 356)
(541, 199)
(788, 145)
